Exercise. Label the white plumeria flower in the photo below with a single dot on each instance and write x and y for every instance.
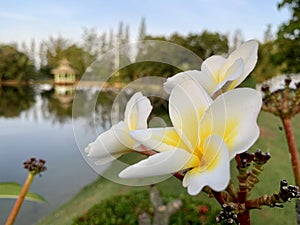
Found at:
(218, 73)
(206, 135)
(116, 141)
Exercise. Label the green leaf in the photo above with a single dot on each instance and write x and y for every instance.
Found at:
(12, 190)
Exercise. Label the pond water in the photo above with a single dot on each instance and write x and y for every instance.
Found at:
(38, 122)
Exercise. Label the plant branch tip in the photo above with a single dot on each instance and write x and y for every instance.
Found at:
(35, 166)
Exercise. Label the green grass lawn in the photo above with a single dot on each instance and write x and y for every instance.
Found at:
(272, 140)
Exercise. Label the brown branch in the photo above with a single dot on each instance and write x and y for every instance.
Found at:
(155, 197)
(260, 159)
(285, 194)
(144, 219)
(179, 176)
(146, 151)
(174, 206)
(243, 162)
(162, 213)
(231, 190)
(242, 177)
(287, 124)
(219, 197)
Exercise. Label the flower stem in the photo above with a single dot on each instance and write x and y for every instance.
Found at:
(242, 165)
(20, 200)
(244, 218)
(287, 124)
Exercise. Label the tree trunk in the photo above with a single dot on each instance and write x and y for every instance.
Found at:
(287, 124)
(244, 218)
(144, 219)
(298, 211)
(162, 213)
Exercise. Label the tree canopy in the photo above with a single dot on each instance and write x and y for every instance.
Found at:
(277, 54)
(288, 39)
(14, 64)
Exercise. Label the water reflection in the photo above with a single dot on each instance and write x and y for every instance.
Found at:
(57, 104)
(54, 103)
(14, 100)
(37, 121)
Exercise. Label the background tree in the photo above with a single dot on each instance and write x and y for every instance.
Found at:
(104, 44)
(92, 41)
(268, 34)
(55, 47)
(288, 39)
(30, 50)
(237, 39)
(59, 48)
(207, 44)
(127, 34)
(111, 39)
(204, 45)
(78, 58)
(14, 65)
(142, 30)
(265, 68)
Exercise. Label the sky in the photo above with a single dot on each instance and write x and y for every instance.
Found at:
(24, 20)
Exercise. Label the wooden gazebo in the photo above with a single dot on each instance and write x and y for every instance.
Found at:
(64, 73)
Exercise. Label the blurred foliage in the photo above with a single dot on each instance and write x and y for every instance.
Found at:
(265, 68)
(144, 69)
(277, 54)
(288, 39)
(14, 64)
(164, 60)
(124, 210)
(204, 44)
(207, 44)
(59, 48)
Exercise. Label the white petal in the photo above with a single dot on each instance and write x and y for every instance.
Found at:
(187, 104)
(213, 64)
(137, 111)
(211, 78)
(159, 139)
(248, 52)
(214, 170)
(234, 71)
(229, 75)
(109, 145)
(233, 117)
(179, 78)
(207, 81)
(161, 164)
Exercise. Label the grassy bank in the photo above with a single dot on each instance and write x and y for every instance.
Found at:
(272, 139)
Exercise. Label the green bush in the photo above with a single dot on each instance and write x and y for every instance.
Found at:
(124, 210)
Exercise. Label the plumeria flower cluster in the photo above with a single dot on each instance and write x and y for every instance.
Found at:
(211, 123)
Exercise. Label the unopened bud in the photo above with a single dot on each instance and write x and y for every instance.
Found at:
(35, 166)
(287, 81)
(265, 88)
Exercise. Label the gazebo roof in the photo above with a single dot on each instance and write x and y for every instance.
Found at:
(64, 68)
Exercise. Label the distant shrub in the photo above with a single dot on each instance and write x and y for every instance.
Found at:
(124, 210)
